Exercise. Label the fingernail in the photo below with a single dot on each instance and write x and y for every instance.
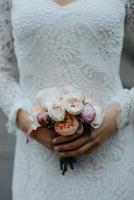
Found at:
(56, 148)
(54, 141)
(62, 154)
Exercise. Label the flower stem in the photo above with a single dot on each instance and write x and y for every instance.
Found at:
(65, 162)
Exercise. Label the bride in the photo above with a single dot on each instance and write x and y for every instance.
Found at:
(78, 43)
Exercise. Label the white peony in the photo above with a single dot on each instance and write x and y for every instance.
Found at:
(46, 97)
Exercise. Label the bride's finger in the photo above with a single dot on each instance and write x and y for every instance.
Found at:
(63, 139)
(91, 149)
(78, 142)
(79, 151)
(94, 135)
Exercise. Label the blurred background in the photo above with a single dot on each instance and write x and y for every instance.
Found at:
(7, 141)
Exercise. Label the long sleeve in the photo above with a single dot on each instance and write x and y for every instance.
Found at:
(11, 95)
(125, 98)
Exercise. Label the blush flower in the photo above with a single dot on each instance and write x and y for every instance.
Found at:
(88, 114)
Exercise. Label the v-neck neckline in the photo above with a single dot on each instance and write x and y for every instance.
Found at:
(71, 4)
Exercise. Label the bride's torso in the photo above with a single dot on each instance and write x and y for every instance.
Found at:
(79, 43)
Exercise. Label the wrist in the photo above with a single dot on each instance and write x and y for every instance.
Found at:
(114, 108)
(22, 120)
(113, 111)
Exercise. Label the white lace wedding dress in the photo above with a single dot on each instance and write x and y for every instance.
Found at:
(79, 44)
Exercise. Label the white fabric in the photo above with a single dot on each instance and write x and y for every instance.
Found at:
(11, 95)
(79, 44)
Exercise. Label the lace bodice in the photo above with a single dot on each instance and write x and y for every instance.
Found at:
(12, 96)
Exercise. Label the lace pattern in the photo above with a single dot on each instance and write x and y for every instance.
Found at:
(124, 101)
(125, 98)
(79, 45)
(11, 95)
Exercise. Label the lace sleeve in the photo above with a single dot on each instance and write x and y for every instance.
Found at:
(130, 16)
(125, 100)
(125, 97)
(11, 95)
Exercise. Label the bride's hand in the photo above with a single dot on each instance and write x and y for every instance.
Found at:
(42, 135)
(67, 146)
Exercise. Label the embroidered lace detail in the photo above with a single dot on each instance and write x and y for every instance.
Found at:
(79, 45)
(11, 95)
(124, 101)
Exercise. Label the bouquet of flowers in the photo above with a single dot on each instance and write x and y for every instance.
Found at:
(67, 111)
